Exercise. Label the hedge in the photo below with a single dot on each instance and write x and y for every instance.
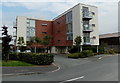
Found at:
(74, 55)
(83, 54)
(33, 58)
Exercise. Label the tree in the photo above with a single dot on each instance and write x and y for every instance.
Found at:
(21, 41)
(21, 44)
(78, 41)
(5, 43)
(34, 40)
(46, 41)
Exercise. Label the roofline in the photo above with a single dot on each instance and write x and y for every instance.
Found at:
(65, 12)
(71, 10)
(34, 18)
(109, 35)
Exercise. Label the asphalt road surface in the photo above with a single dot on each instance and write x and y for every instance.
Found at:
(99, 68)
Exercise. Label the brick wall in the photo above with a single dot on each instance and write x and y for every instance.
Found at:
(59, 32)
(42, 29)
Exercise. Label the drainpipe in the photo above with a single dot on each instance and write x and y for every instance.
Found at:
(35, 49)
(97, 49)
(81, 48)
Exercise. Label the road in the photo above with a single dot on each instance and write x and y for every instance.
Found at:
(99, 68)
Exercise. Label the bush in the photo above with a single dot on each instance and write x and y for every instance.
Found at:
(39, 59)
(73, 49)
(13, 56)
(117, 50)
(74, 55)
(92, 48)
(86, 53)
(33, 58)
(111, 51)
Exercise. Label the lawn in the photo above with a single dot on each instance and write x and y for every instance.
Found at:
(14, 63)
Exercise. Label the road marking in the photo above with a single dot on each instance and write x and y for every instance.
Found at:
(100, 58)
(73, 79)
(56, 69)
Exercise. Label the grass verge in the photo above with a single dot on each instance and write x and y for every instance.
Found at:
(14, 63)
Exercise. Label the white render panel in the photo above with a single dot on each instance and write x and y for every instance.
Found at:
(76, 22)
(95, 32)
(94, 20)
(21, 28)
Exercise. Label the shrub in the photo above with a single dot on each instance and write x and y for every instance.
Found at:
(74, 55)
(111, 51)
(73, 49)
(117, 50)
(33, 58)
(86, 53)
(13, 56)
(93, 48)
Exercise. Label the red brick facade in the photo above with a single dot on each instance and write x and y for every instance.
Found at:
(57, 29)
(42, 29)
(60, 32)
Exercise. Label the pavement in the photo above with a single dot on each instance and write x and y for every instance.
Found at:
(97, 68)
(8, 71)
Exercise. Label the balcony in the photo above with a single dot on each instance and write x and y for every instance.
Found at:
(86, 41)
(87, 28)
(87, 15)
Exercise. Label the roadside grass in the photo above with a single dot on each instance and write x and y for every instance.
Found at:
(14, 63)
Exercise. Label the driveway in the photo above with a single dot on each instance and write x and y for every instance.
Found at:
(98, 68)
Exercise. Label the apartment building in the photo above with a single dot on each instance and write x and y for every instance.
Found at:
(80, 20)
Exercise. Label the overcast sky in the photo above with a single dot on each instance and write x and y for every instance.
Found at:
(107, 11)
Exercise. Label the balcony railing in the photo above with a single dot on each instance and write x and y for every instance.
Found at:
(86, 41)
(87, 15)
(87, 28)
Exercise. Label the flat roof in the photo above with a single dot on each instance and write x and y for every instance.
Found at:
(34, 18)
(109, 35)
(71, 9)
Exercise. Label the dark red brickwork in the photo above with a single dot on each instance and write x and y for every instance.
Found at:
(57, 29)
(42, 29)
(59, 32)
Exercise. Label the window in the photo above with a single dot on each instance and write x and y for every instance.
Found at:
(69, 17)
(58, 31)
(44, 24)
(85, 11)
(44, 32)
(93, 13)
(93, 25)
(86, 37)
(70, 36)
(58, 40)
(69, 25)
(32, 32)
(69, 28)
(32, 23)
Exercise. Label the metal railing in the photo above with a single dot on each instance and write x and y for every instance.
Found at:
(87, 14)
(87, 28)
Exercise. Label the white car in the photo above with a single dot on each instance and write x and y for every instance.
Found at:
(27, 50)
(17, 50)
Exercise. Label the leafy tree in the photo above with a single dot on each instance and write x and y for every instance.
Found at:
(21, 41)
(78, 41)
(46, 41)
(34, 40)
(21, 44)
(5, 43)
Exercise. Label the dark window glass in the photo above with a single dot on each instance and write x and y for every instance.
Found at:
(44, 32)
(69, 17)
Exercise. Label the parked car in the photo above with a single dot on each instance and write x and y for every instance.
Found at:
(18, 51)
(26, 51)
